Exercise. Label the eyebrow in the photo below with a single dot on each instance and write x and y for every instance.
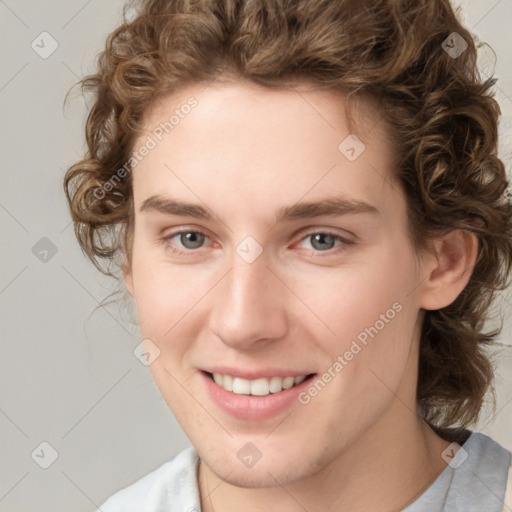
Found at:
(332, 206)
(169, 206)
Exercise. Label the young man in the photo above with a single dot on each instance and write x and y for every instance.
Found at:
(313, 223)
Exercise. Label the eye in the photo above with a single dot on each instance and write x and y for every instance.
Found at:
(323, 241)
(187, 239)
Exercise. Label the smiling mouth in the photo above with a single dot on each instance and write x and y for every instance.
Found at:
(258, 387)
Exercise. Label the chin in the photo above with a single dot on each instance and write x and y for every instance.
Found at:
(275, 468)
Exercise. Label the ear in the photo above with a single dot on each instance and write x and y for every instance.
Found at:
(128, 276)
(448, 269)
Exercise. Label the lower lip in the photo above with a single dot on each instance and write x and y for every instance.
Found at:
(251, 407)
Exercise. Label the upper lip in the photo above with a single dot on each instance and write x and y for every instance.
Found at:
(253, 374)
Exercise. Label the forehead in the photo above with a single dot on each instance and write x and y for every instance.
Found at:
(242, 102)
(272, 143)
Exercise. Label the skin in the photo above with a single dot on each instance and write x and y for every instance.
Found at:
(246, 152)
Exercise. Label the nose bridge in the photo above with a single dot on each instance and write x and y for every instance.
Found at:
(248, 281)
(249, 306)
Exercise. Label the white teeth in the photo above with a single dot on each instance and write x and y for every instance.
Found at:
(300, 379)
(228, 382)
(276, 384)
(260, 387)
(257, 387)
(288, 382)
(241, 386)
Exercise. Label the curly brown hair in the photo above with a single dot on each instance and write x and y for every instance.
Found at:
(414, 58)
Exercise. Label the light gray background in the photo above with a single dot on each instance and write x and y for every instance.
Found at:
(68, 377)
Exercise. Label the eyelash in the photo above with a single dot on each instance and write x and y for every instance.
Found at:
(190, 252)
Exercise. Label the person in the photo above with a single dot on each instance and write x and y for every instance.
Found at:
(306, 203)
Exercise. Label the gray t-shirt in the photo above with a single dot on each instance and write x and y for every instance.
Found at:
(475, 481)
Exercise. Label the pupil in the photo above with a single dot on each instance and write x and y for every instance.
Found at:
(191, 240)
(322, 241)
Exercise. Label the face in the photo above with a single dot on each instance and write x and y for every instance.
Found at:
(271, 250)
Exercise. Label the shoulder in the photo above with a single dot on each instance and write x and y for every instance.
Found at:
(482, 479)
(173, 483)
(479, 478)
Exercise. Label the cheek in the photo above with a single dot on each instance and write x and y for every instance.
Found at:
(371, 314)
(361, 300)
(166, 294)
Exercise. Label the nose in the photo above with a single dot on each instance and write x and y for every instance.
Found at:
(249, 308)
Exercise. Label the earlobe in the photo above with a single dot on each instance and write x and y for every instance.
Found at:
(450, 269)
